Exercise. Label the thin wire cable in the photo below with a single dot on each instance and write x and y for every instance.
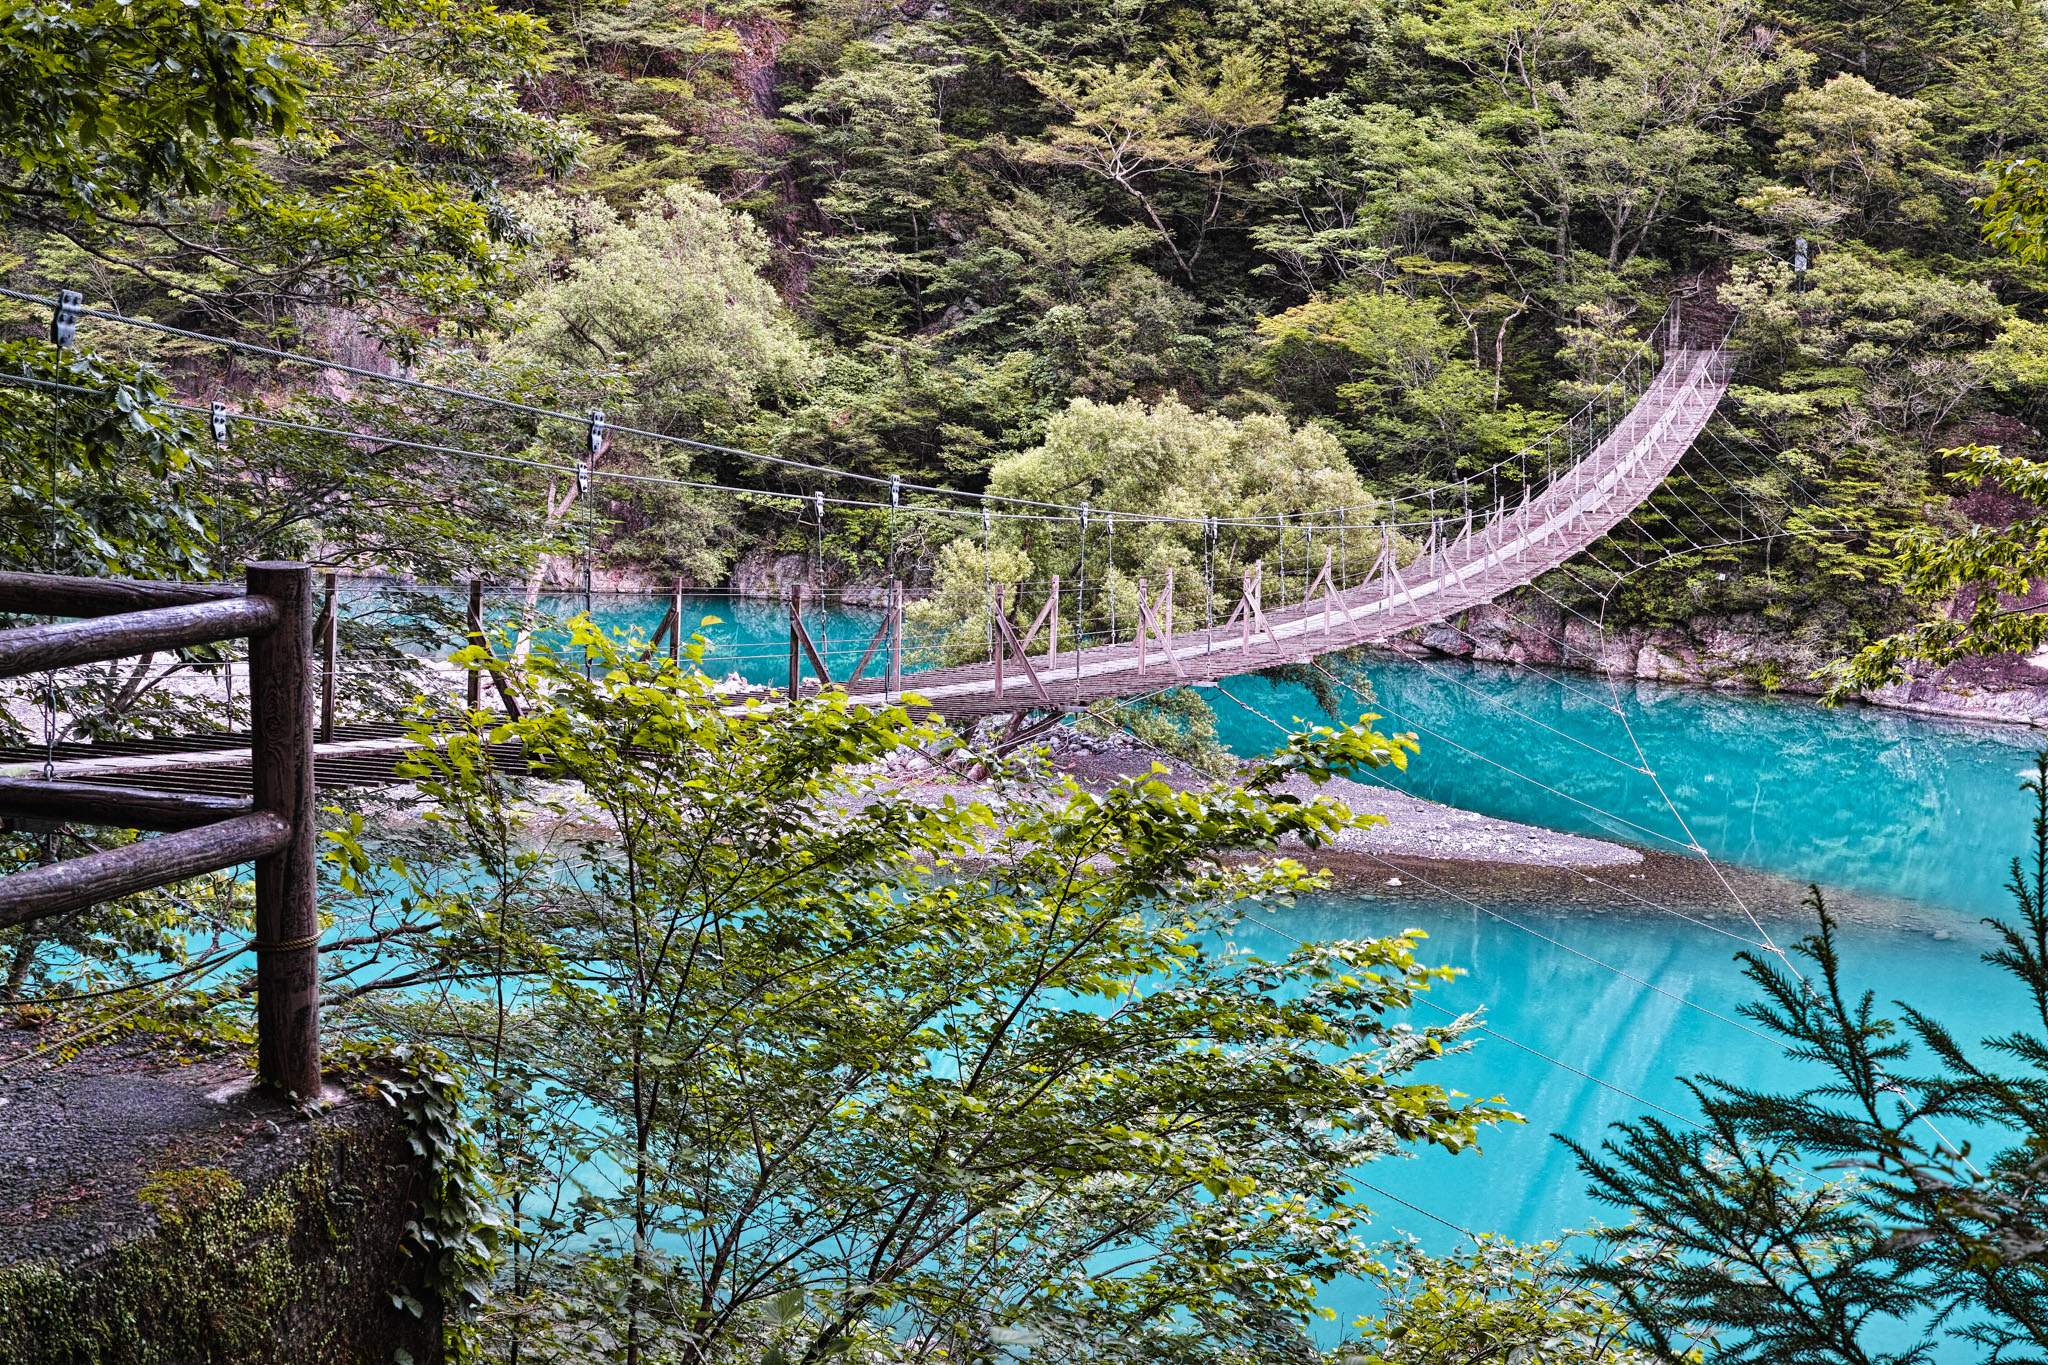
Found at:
(103, 1025)
(1413, 1208)
(405, 443)
(891, 481)
(1769, 943)
(657, 480)
(1534, 1052)
(1536, 933)
(1580, 872)
(1544, 786)
(1491, 1032)
(649, 479)
(1503, 706)
(1639, 899)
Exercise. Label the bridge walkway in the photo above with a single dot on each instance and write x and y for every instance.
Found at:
(1513, 547)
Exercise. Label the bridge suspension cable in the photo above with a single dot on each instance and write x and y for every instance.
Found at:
(1660, 338)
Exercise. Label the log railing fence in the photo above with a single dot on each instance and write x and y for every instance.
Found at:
(193, 834)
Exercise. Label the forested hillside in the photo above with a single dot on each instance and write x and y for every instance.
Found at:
(923, 239)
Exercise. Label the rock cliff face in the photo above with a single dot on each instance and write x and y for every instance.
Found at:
(765, 571)
(1739, 652)
(1731, 652)
(2009, 689)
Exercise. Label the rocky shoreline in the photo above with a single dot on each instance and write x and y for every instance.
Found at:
(1436, 856)
(1738, 654)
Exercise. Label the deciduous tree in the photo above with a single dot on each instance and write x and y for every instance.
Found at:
(834, 1069)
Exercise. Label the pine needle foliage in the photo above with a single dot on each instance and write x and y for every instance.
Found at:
(1852, 1222)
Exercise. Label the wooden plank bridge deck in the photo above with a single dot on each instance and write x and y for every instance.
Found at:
(1523, 542)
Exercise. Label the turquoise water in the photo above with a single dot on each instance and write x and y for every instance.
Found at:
(1854, 797)
(749, 637)
(1917, 818)
(1925, 814)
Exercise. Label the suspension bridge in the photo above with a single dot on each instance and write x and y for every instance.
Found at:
(1440, 552)
(1460, 566)
(221, 799)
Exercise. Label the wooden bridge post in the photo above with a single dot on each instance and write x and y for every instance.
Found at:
(893, 687)
(287, 918)
(800, 639)
(1144, 599)
(1048, 620)
(675, 630)
(996, 651)
(330, 627)
(1329, 593)
(1052, 627)
(476, 638)
(1252, 587)
(796, 625)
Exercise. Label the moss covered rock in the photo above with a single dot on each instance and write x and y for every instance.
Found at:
(154, 1209)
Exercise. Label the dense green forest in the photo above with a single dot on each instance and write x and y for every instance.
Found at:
(1018, 244)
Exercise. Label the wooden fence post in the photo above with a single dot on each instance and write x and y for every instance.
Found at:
(894, 686)
(287, 919)
(330, 627)
(796, 624)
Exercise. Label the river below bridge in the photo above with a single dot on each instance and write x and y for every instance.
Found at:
(1909, 823)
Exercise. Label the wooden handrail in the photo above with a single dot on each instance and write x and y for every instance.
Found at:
(51, 594)
(32, 649)
(95, 803)
(276, 830)
(77, 883)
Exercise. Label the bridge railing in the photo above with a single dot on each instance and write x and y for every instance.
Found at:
(198, 834)
(1561, 467)
(1441, 511)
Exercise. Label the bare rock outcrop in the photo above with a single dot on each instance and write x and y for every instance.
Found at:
(1736, 652)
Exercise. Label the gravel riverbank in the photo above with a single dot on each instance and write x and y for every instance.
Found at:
(1413, 828)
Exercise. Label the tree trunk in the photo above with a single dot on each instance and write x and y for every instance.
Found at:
(24, 958)
(523, 642)
(1500, 352)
